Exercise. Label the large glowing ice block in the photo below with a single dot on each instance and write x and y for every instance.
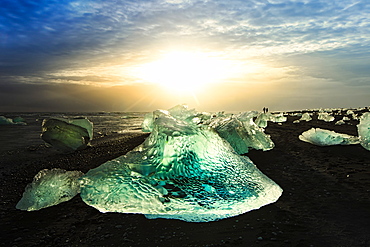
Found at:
(50, 187)
(67, 134)
(363, 129)
(182, 171)
(322, 137)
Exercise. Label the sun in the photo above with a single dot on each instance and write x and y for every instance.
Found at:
(185, 71)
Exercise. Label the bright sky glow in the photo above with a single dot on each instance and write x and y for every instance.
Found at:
(230, 54)
(186, 71)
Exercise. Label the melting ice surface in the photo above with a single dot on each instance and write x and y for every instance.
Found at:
(67, 134)
(363, 129)
(322, 137)
(239, 130)
(50, 187)
(184, 170)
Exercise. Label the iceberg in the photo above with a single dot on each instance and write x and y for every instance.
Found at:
(278, 118)
(19, 120)
(305, 117)
(242, 133)
(325, 117)
(9, 121)
(340, 122)
(50, 187)
(67, 134)
(323, 137)
(363, 129)
(5, 121)
(183, 171)
(262, 118)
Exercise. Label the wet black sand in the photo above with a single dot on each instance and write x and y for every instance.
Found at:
(326, 199)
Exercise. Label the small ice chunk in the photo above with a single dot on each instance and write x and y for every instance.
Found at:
(19, 120)
(278, 118)
(9, 121)
(6, 121)
(325, 117)
(340, 122)
(322, 137)
(363, 129)
(50, 187)
(305, 117)
(67, 134)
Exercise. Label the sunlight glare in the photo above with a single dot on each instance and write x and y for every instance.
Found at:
(186, 71)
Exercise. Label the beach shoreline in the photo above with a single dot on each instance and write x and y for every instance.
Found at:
(325, 202)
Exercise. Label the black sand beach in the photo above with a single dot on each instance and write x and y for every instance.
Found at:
(326, 198)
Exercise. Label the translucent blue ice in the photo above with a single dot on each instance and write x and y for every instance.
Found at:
(184, 170)
(322, 137)
(50, 187)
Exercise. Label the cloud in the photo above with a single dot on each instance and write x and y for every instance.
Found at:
(97, 42)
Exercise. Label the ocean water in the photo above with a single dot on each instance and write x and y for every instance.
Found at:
(105, 123)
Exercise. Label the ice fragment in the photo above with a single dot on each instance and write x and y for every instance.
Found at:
(363, 129)
(242, 133)
(50, 187)
(325, 117)
(322, 137)
(67, 134)
(9, 121)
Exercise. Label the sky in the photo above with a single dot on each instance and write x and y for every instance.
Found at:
(213, 55)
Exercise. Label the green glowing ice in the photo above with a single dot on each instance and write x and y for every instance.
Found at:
(67, 135)
(184, 170)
